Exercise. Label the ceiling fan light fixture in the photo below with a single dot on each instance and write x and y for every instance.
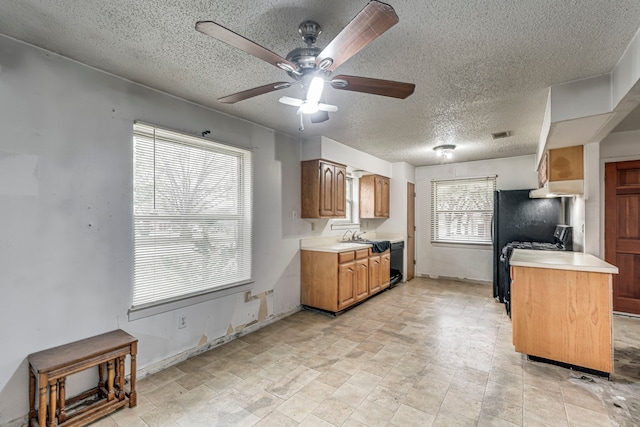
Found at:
(309, 107)
(315, 90)
(445, 150)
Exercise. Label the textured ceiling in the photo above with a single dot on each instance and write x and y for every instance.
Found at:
(479, 67)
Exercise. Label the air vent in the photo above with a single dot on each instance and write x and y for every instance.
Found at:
(500, 135)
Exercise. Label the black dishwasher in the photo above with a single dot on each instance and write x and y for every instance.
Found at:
(397, 257)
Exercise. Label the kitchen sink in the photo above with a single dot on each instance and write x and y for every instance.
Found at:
(363, 241)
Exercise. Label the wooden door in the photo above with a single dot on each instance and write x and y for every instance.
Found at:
(346, 284)
(374, 274)
(411, 230)
(622, 232)
(362, 279)
(340, 189)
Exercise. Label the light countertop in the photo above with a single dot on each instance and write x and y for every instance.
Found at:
(333, 243)
(560, 260)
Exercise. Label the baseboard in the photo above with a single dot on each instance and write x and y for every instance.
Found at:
(457, 279)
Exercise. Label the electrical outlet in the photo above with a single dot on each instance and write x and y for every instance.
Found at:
(182, 321)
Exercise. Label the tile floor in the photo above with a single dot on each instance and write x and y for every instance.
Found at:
(425, 353)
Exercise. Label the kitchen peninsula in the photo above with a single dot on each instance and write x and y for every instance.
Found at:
(562, 308)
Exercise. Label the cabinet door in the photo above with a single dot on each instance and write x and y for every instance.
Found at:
(384, 202)
(374, 274)
(377, 209)
(327, 189)
(346, 284)
(385, 269)
(340, 191)
(565, 163)
(362, 279)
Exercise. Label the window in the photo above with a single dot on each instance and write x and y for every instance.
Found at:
(462, 209)
(192, 211)
(349, 199)
(351, 218)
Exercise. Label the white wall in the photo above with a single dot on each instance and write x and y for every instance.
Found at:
(66, 216)
(472, 262)
(401, 174)
(325, 148)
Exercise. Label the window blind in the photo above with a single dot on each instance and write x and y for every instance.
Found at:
(192, 203)
(462, 210)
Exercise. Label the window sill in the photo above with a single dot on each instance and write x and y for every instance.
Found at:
(469, 245)
(141, 312)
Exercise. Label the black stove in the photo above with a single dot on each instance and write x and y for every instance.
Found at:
(563, 236)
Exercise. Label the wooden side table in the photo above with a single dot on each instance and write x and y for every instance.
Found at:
(48, 370)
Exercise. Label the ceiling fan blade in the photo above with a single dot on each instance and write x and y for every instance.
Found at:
(250, 93)
(221, 33)
(373, 86)
(371, 22)
(294, 102)
(319, 117)
(327, 107)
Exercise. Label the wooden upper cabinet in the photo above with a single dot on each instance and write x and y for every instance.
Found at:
(374, 196)
(323, 189)
(561, 164)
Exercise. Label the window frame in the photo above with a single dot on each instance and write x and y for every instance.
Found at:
(351, 204)
(479, 215)
(242, 202)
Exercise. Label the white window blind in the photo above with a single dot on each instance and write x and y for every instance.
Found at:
(349, 199)
(462, 209)
(192, 202)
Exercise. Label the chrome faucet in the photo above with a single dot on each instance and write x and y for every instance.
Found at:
(357, 236)
(345, 233)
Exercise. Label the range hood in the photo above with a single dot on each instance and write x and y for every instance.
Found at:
(568, 188)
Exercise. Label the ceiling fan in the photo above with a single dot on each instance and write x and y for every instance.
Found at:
(311, 65)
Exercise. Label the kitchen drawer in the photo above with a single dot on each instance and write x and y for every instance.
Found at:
(362, 253)
(346, 257)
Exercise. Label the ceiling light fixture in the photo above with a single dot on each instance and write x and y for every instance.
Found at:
(445, 150)
(315, 89)
(309, 107)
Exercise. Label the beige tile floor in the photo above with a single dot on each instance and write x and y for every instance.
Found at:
(425, 353)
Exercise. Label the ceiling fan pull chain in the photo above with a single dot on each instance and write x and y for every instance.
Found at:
(301, 128)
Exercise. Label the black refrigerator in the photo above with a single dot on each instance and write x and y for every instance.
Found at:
(517, 218)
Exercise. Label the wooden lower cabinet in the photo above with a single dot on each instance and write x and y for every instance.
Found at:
(374, 273)
(335, 281)
(362, 278)
(563, 315)
(346, 284)
(385, 269)
(379, 270)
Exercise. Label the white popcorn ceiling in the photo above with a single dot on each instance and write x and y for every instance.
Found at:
(479, 67)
